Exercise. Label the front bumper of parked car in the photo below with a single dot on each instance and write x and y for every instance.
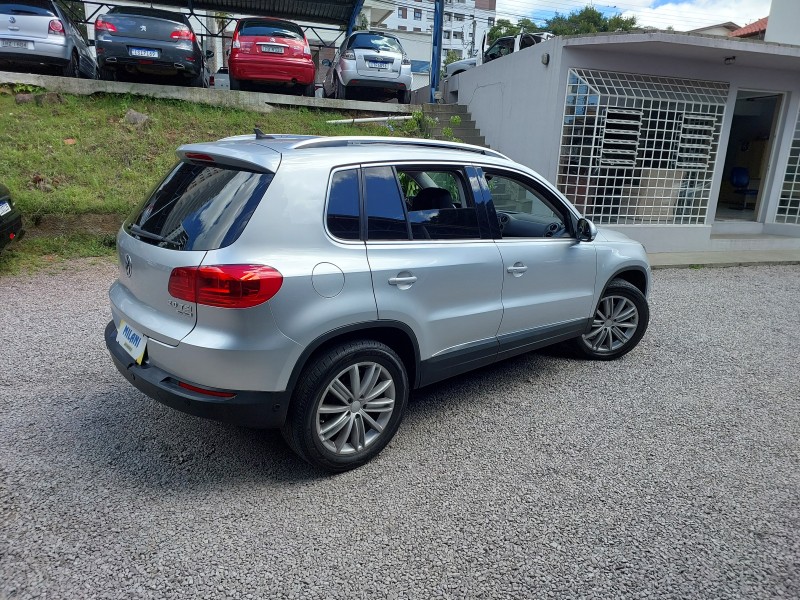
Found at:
(246, 408)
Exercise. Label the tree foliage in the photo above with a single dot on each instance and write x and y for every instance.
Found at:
(585, 20)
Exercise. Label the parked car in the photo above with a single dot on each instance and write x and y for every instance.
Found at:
(501, 47)
(41, 33)
(150, 41)
(221, 79)
(271, 51)
(309, 283)
(10, 219)
(373, 60)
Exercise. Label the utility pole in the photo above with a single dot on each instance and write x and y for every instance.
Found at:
(436, 47)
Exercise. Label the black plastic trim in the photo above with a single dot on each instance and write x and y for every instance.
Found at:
(247, 408)
(512, 344)
(638, 268)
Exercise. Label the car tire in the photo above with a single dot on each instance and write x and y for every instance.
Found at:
(330, 385)
(341, 90)
(233, 83)
(618, 323)
(107, 74)
(310, 90)
(403, 96)
(73, 67)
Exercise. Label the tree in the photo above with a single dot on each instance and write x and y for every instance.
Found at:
(586, 20)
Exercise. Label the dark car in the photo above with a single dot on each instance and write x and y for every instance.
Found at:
(41, 33)
(10, 219)
(149, 41)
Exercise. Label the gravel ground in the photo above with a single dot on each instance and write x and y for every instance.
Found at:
(673, 472)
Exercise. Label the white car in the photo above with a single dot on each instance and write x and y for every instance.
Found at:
(221, 79)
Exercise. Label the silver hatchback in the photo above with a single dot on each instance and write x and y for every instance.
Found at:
(310, 283)
(369, 60)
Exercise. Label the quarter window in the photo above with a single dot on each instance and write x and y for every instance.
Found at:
(386, 218)
(343, 205)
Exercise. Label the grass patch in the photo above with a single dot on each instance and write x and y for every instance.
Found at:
(33, 254)
(80, 157)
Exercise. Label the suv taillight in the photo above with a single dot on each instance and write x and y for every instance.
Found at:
(349, 55)
(101, 25)
(183, 33)
(235, 42)
(56, 27)
(406, 60)
(225, 286)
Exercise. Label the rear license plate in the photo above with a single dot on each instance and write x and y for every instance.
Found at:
(132, 340)
(5, 208)
(272, 49)
(378, 65)
(16, 44)
(145, 52)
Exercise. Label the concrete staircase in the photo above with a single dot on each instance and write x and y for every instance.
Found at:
(466, 131)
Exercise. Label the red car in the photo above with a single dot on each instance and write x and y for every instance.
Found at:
(271, 51)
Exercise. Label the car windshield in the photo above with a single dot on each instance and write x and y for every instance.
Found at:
(34, 7)
(271, 28)
(372, 41)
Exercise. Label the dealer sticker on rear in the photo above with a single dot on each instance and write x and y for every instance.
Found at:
(133, 341)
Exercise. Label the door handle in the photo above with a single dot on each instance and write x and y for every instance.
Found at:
(517, 269)
(402, 280)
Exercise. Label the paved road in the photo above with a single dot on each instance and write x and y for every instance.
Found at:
(671, 473)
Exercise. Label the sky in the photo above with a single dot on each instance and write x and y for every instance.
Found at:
(683, 15)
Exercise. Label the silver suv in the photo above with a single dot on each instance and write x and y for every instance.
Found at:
(309, 283)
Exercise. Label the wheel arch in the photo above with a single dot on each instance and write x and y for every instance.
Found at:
(635, 275)
(398, 336)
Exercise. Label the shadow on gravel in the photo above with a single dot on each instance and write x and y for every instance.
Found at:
(125, 434)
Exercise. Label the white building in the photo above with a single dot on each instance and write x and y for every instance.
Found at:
(465, 22)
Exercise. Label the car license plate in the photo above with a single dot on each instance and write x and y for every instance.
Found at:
(5, 208)
(144, 52)
(272, 49)
(15, 44)
(132, 340)
(378, 65)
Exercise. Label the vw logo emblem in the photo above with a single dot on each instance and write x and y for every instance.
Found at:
(128, 265)
(12, 20)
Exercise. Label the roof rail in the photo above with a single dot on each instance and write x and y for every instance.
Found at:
(359, 140)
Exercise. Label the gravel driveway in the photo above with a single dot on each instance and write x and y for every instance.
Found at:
(673, 472)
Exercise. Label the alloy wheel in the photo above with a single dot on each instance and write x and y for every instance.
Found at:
(615, 322)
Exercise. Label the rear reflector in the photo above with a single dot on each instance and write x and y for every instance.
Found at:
(199, 390)
(225, 286)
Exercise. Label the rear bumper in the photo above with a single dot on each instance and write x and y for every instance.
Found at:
(250, 409)
(45, 54)
(256, 68)
(11, 228)
(170, 61)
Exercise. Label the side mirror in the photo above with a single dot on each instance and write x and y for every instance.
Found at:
(586, 230)
(326, 62)
(209, 54)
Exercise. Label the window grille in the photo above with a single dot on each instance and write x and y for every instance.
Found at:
(789, 202)
(639, 149)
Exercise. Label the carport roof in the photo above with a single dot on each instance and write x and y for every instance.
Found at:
(330, 12)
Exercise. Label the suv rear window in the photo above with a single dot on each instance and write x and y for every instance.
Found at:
(372, 41)
(282, 29)
(199, 207)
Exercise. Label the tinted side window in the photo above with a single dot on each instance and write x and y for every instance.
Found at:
(386, 218)
(523, 210)
(343, 205)
(440, 207)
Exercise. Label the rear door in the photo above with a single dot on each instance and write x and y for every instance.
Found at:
(197, 208)
(432, 269)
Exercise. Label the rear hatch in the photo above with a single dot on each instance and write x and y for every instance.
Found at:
(203, 204)
(272, 39)
(28, 21)
(377, 55)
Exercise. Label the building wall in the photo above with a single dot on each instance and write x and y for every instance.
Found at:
(518, 104)
(783, 19)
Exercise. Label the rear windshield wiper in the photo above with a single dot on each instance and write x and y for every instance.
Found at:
(136, 230)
